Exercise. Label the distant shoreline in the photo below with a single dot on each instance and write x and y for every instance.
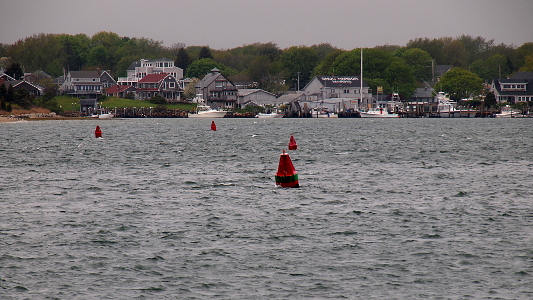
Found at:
(4, 119)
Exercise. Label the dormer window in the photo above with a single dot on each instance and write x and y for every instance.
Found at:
(513, 87)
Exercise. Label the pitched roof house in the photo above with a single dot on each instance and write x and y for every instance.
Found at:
(6, 77)
(517, 88)
(120, 90)
(257, 96)
(164, 85)
(321, 88)
(217, 90)
(138, 69)
(32, 89)
(87, 84)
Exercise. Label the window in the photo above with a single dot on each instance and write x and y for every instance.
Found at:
(171, 85)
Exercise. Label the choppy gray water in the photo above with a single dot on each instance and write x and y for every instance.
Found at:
(168, 209)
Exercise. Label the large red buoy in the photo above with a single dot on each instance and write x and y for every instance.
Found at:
(292, 144)
(213, 126)
(286, 175)
(98, 132)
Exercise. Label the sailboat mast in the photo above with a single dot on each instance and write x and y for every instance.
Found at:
(361, 79)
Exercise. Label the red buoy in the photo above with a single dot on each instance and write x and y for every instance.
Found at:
(292, 144)
(98, 132)
(286, 175)
(213, 126)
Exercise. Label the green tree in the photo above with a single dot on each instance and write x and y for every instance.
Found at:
(258, 68)
(528, 64)
(460, 83)
(435, 47)
(475, 47)
(205, 52)
(323, 50)
(379, 67)
(22, 98)
(298, 63)
(200, 68)
(75, 49)
(495, 67)
(124, 63)
(99, 57)
(400, 76)
(15, 71)
(522, 52)
(420, 61)
(490, 100)
(326, 67)
(48, 100)
(455, 54)
(182, 59)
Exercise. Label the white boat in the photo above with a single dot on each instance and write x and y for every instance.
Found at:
(271, 115)
(508, 112)
(445, 107)
(106, 116)
(205, 111)
(322, 112)
(378, 112)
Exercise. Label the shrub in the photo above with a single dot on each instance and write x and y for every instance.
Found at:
(158, 100)
(129, 95)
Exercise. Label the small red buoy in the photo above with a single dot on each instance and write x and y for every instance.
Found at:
(286, 175)
(98, 132)
(292, 144)
(213, 126)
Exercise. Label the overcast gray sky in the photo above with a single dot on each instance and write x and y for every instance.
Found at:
(225, 24)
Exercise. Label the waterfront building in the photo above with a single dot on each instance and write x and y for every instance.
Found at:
(139, 69)
(217, 90)
(517, 88)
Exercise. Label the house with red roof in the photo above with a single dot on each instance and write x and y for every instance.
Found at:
(120, 90)
(138, 69)
(164, 85)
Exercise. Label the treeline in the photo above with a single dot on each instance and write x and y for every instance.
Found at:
(395, 68)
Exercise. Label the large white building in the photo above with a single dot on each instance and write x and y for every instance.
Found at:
(139, 69)
(344, 92)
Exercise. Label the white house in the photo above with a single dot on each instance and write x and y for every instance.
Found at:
(339, 90)
(139, 69)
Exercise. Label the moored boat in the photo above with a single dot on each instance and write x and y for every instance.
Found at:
(106, 116)
(445, 107)
(322, 112)
(205, 111)
(378, 112)
(271, 115)
(508, 112)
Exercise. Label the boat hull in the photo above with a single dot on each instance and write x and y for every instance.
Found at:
(106, 116)
(209, 114)
(269, 116)
(377, 115)
(326, 115)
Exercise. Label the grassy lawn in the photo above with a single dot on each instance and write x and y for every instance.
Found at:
(69, 103)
